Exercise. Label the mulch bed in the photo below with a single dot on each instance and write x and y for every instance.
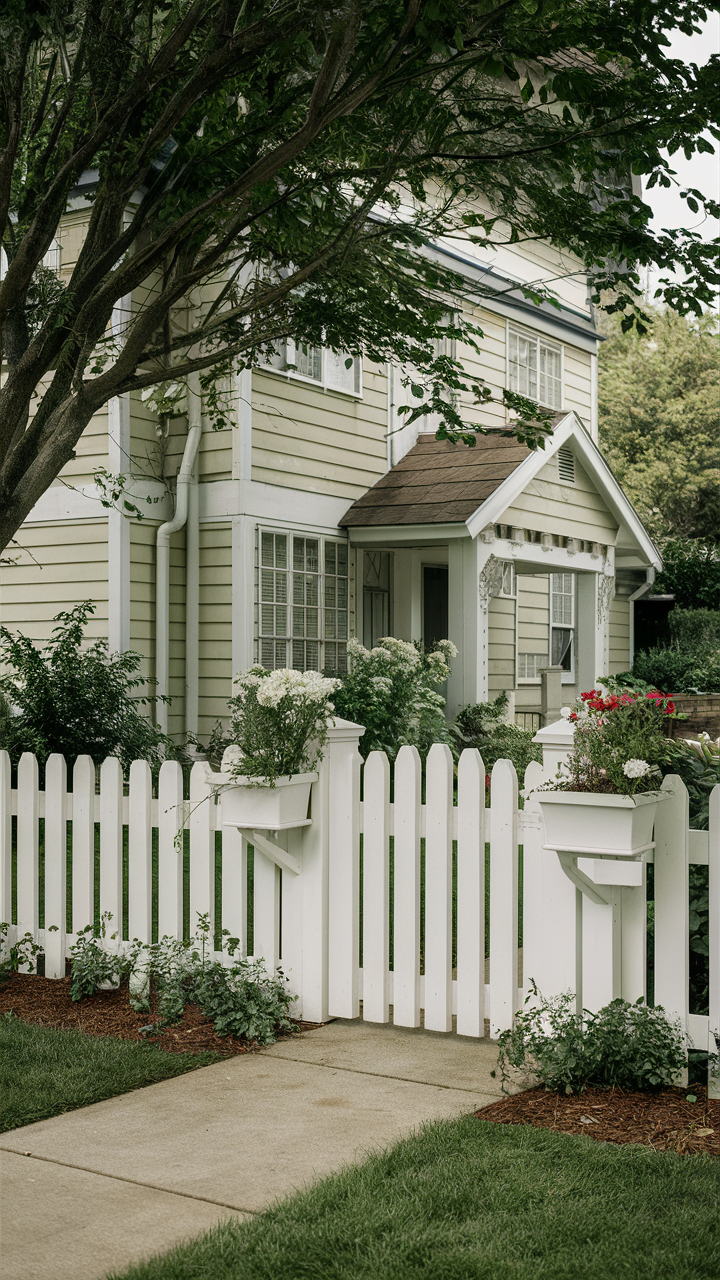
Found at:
(46, 1001)
(665, 1121)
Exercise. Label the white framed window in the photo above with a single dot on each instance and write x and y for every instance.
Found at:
(508, 584)
(332, 370)
(535, 368)
(529, 666)
(562, 624)
(302, 602)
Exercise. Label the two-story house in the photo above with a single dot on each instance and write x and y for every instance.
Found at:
(320, 515)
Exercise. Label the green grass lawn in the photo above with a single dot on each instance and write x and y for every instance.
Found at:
(44, 1071)
(464, 1200)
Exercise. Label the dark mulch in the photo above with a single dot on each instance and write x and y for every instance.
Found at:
(665, 1121)
(46, 1001)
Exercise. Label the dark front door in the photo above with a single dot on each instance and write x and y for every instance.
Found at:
(435, 604)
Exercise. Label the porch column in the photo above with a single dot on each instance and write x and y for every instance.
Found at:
(594, 596)
(471, 573)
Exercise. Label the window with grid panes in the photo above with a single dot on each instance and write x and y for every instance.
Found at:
(333, 370)
(562, 622)
(303, 605)
(535, 368)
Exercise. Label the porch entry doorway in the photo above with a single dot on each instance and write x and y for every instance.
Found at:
(435, 604)
(376, 597)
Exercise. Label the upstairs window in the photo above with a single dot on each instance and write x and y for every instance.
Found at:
(535, 368)
(562, 624)
(332, 370)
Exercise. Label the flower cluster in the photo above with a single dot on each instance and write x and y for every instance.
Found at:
(279, 722)
(391, 690)
(598, 704)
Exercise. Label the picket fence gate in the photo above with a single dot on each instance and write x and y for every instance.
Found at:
(334, 900)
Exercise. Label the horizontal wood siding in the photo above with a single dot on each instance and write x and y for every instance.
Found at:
(142, 594)
(570, 510)
(59, 565)
(501, 645)
(176, 683)
(577, 390)
(319, 441)
(215, 624)
(619, 636)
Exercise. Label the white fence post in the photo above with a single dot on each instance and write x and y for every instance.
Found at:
(343, 763)
(671, 901)
(55, 864)
(503, 897)
(6, 845)
(111, 806)
(471, 895)
(406, 873)
(438, 888)
(714, 932)
(27, 846)
(376, 920)
(171, 818)
(83, 844)
(202, 848)
(140, 852)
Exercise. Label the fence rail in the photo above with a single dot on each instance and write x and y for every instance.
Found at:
(410, 910)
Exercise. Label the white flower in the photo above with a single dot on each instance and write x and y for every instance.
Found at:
(636, 768)
(382, 683)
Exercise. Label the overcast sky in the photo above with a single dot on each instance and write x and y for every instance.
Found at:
(703, 171)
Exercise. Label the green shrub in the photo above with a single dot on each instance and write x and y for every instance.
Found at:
(392, 690)
(240, 998)
(628, 1046)
(679, 670)
(691, 573)
(481, 725)
(75, 699)
(694, 628)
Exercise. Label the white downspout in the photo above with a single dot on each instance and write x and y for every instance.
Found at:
(162, 559)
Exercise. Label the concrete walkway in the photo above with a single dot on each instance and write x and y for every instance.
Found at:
(99, 1188)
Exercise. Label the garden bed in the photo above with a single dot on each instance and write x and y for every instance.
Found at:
(46, 1002)
(665, 1121)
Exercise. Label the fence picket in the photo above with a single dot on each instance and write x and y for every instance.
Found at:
(376, 923)
(671, 900)
(503, 897)
(234, 883)
(202, 847)
(55, 864)
(111, 868)
(171, 817)
(266, 915)
(83, 844)
(406, 872)
(140, 852)
(471, 895)
(6, 845)
(438, 888)
(28, 846)
(714, 927)
(343, 879)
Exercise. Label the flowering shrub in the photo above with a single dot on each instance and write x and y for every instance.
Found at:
(391, 689)
(278, 723)
(619, 745)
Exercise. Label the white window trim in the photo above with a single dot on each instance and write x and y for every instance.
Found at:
(511, 327)
(321, 384)
(291, 531)
(567, 677)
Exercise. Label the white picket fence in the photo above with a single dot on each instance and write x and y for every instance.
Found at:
(333, 900)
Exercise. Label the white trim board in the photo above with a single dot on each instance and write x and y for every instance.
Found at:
(223, 499)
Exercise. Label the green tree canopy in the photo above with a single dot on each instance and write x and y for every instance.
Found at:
(300, 157)
(659, 406)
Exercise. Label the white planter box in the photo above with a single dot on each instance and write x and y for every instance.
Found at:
(597, 824)
(264, 808)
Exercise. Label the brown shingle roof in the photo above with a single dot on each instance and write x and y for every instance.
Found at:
(438, 482)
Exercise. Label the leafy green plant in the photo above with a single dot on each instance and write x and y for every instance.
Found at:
(93, 963)
(691, 573)
(22, 952)
(629, 1046)
(619, 744)
(391, 689)
(279, 723)
(694, 628)
(687, 670)
(75, 698)
(482, 725)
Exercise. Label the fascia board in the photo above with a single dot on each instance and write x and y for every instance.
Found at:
(405, 534)
(617, 502)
